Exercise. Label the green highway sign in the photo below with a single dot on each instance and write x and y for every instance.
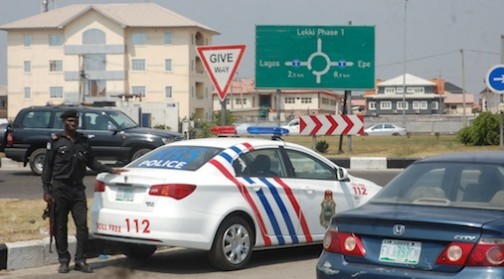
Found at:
(332, 57)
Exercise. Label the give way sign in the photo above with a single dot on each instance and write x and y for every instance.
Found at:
(221, 63)
(330, 125)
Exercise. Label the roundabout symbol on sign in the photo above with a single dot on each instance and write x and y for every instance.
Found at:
(296, 63)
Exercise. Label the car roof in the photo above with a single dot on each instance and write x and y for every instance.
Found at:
(66, 107)
(492, 157)
(226, 142)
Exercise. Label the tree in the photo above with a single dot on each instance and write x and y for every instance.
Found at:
(483, 131)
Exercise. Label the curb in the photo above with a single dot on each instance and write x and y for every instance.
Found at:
(35, 253)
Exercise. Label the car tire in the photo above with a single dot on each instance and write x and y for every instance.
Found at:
(233, 244)
(137, 251)
(139, 153)
(37, 160)
(396, 134)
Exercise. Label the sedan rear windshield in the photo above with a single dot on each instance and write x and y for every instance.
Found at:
(188, 158)
(457, 184)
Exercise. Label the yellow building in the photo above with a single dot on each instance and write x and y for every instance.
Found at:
(138, 52)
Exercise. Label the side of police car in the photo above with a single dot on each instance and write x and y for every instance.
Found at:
(228, 196)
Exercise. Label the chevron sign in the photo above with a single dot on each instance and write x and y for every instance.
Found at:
(327, 125)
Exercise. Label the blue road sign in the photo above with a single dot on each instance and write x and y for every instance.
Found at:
(495, 79)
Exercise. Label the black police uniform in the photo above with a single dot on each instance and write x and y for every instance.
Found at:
(62, 176)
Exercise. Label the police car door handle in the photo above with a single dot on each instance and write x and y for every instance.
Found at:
(309, 190)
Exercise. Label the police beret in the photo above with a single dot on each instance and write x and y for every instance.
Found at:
(69, 113)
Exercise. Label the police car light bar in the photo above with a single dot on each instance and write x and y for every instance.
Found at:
(224, 130)
(273, 131)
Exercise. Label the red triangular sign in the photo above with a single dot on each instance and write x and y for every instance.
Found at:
(221, 63)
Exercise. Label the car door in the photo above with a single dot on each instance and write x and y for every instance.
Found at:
(106, 142)
(273, 193)
(320, 194)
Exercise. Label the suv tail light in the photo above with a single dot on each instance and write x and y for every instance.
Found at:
(99, 186)
(487, 252)
(343, 243)
(10, 139)
(176, 191)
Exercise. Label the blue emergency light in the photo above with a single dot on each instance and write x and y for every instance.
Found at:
(272, 131)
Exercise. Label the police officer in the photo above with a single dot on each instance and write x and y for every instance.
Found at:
(68, 154)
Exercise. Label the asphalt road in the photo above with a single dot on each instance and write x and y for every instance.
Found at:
(21, 183)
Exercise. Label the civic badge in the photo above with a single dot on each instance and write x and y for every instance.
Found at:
(399, 229)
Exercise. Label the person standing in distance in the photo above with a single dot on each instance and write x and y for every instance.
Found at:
(68, 154)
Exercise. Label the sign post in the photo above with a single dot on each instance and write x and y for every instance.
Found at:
(495, 82)
(221, 63)
(331, 57)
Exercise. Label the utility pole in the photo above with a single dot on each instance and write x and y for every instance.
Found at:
(464, 117)
(404, 67)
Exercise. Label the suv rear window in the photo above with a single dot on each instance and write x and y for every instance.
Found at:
(188, 158)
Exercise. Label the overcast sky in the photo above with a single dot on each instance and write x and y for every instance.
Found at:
(436, 30)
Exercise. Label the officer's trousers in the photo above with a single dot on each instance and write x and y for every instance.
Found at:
(70, 199)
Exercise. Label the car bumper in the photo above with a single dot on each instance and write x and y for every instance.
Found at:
(331, 266)
(15, 154)
(190, 229)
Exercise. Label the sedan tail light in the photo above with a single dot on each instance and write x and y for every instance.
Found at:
(99, 186)
(487, 252)
(343, 243)
(176, 191)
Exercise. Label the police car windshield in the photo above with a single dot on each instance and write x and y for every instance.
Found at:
(123, 121)
(189, 158)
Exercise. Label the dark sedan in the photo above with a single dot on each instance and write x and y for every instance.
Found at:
(443, 217)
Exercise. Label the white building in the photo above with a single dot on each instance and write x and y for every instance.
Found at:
(139, 52)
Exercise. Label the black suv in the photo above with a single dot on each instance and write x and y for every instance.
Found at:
(113, 135)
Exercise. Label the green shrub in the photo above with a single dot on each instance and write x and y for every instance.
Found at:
(483, 131)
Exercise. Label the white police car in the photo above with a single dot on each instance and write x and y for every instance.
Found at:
(228, 196)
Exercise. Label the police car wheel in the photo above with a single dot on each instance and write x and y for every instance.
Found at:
(37, 160)
(137, 251)
(233, 244)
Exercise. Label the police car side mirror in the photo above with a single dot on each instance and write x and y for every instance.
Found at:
(342, 174)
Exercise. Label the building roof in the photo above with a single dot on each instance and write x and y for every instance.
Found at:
(127, 15)
(458, 98)
(452, 88)
(410, 80)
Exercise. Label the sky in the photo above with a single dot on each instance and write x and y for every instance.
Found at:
(440, 35)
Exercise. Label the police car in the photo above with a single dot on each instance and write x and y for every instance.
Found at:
(227, 196)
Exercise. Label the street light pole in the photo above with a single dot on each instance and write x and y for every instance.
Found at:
(404, 66)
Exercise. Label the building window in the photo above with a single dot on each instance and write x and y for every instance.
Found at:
(386, 105)
(402, 105)
(372, 105)
(139, 39)
(27, 40)
(168, 92)
(399, 90)
(168, 65)
(423, 105)
(55, 40)
(138, 91)
(55, 66)
(56, 92)
(325, 101)
(389, 90)
(435, 105)
(227, 101)
(168, 38)
(290, 100)
(27, 92)
(138, 64)
(306, 100)
(93, 37)
(412, 90)
(27, 66)
(240, 101)
(416, 105)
